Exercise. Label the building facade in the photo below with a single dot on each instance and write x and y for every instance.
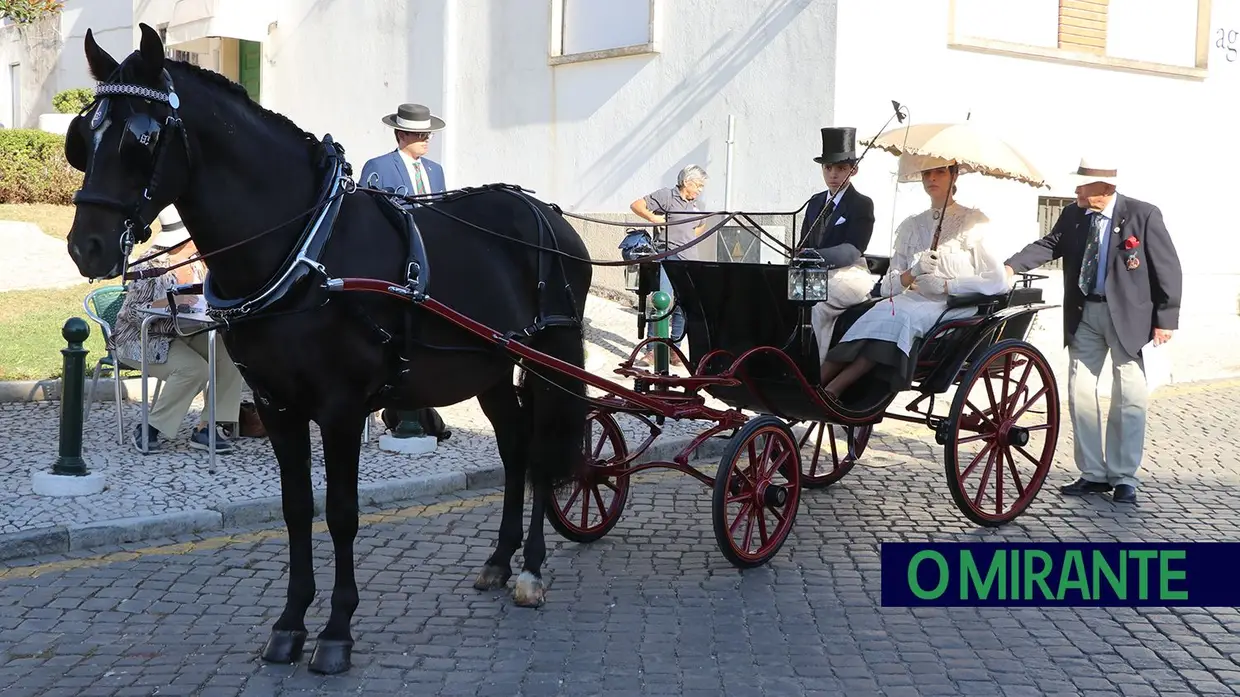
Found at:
(592, 104)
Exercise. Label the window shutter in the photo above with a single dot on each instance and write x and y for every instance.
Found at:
(1083, 25)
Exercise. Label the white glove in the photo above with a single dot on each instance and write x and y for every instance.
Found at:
(926, 264)
(932, 286)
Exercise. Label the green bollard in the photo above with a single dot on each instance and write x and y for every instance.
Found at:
(662, 329)
(70, 461)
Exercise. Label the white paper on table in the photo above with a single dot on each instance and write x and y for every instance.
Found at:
(1157, 363)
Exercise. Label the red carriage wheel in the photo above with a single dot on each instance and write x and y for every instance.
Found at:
(589, 507)
(829, 451)
(757, 492)
(1001, 433)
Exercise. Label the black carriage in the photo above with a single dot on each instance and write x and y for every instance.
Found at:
(751, 347)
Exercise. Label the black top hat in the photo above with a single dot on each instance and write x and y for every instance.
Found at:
(838, 145)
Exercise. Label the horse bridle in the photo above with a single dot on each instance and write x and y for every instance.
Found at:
(147, 132)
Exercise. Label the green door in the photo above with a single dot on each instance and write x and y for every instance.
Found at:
(249, 67)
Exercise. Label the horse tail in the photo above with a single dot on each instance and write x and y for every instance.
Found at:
(556, 408)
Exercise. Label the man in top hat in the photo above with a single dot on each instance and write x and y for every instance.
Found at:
(1122, 288)
(407, 166)
(838, 224)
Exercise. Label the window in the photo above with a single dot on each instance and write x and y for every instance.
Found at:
(583, 30)
(1049, 209)
(1165, 37)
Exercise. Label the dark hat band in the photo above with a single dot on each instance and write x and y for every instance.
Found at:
(1091, 172)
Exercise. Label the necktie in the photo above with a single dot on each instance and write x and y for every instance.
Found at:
(418, 188)
(1089, 263)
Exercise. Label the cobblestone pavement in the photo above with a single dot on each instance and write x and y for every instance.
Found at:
(653, 609)
(176, 479)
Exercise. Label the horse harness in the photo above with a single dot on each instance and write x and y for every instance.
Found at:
(302, 282)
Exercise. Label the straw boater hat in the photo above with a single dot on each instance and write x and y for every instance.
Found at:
(413, 117)
(1094, 169)
(172, 231)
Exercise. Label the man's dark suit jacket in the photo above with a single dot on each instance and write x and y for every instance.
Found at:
(842, 237)
(1139, 299)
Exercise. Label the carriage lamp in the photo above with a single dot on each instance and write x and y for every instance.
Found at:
(807, 278)
(632, 272)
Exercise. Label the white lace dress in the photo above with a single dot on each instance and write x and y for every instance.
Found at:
(905, 314)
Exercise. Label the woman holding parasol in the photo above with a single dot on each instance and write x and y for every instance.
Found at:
(939, 252)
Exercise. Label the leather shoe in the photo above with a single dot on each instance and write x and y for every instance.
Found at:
(1083, 487)
(1125, 493)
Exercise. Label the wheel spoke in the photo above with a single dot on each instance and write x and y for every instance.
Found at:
(1020, 386)
(577, 487)
(976, 458)
(760, 512)
(585, 511)
(1029, 457)
(1020, 487)
(742, 514)
(980, 413)
(602, 507)
(1032, 400)
(981, 488)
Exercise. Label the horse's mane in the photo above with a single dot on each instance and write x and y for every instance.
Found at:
(218, 80)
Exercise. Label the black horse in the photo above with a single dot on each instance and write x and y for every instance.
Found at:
(277, 221)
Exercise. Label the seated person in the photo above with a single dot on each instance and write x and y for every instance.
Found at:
(180, 362)
(917, 285)
(841, 236)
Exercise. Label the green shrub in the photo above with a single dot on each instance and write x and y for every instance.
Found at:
(73, 101)
(33, 168)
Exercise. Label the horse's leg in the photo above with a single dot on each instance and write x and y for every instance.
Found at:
(508, 419)
(290, 439)
(530, 591)
(341, 450)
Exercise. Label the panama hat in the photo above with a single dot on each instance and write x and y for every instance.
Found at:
(413, 117)
(1095, 169)
(172, 231)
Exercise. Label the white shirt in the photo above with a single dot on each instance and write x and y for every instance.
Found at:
(413, 174)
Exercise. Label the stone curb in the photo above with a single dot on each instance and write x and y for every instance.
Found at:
(79, 537)
(50, 390)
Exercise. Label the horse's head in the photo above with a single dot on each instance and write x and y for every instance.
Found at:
(131, 146)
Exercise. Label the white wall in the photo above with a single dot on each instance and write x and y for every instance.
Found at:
(338, 67)
(1172, 135)
(593, 136)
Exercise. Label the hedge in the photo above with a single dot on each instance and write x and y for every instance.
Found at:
(33, 168)
(74, 100)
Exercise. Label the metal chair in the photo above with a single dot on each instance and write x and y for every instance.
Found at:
(102, 305)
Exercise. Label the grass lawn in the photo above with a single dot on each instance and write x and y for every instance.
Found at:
(31, 320)
(30, 324)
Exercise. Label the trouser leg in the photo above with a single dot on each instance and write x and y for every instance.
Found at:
(228, 401)
(1125, 440)
(184, 375)
(1087, 352)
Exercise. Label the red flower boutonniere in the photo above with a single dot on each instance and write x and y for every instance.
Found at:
(1130, 245)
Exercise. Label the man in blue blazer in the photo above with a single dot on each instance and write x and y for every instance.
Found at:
(409, 171)
(408, 165)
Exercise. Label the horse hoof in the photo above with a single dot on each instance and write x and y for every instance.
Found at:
(529, 591)
(492, 577)
(284, 646)
(331, 657)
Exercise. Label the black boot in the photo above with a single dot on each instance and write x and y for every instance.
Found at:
(1084, 487)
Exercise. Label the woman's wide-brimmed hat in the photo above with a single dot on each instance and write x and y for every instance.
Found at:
(414, 117)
